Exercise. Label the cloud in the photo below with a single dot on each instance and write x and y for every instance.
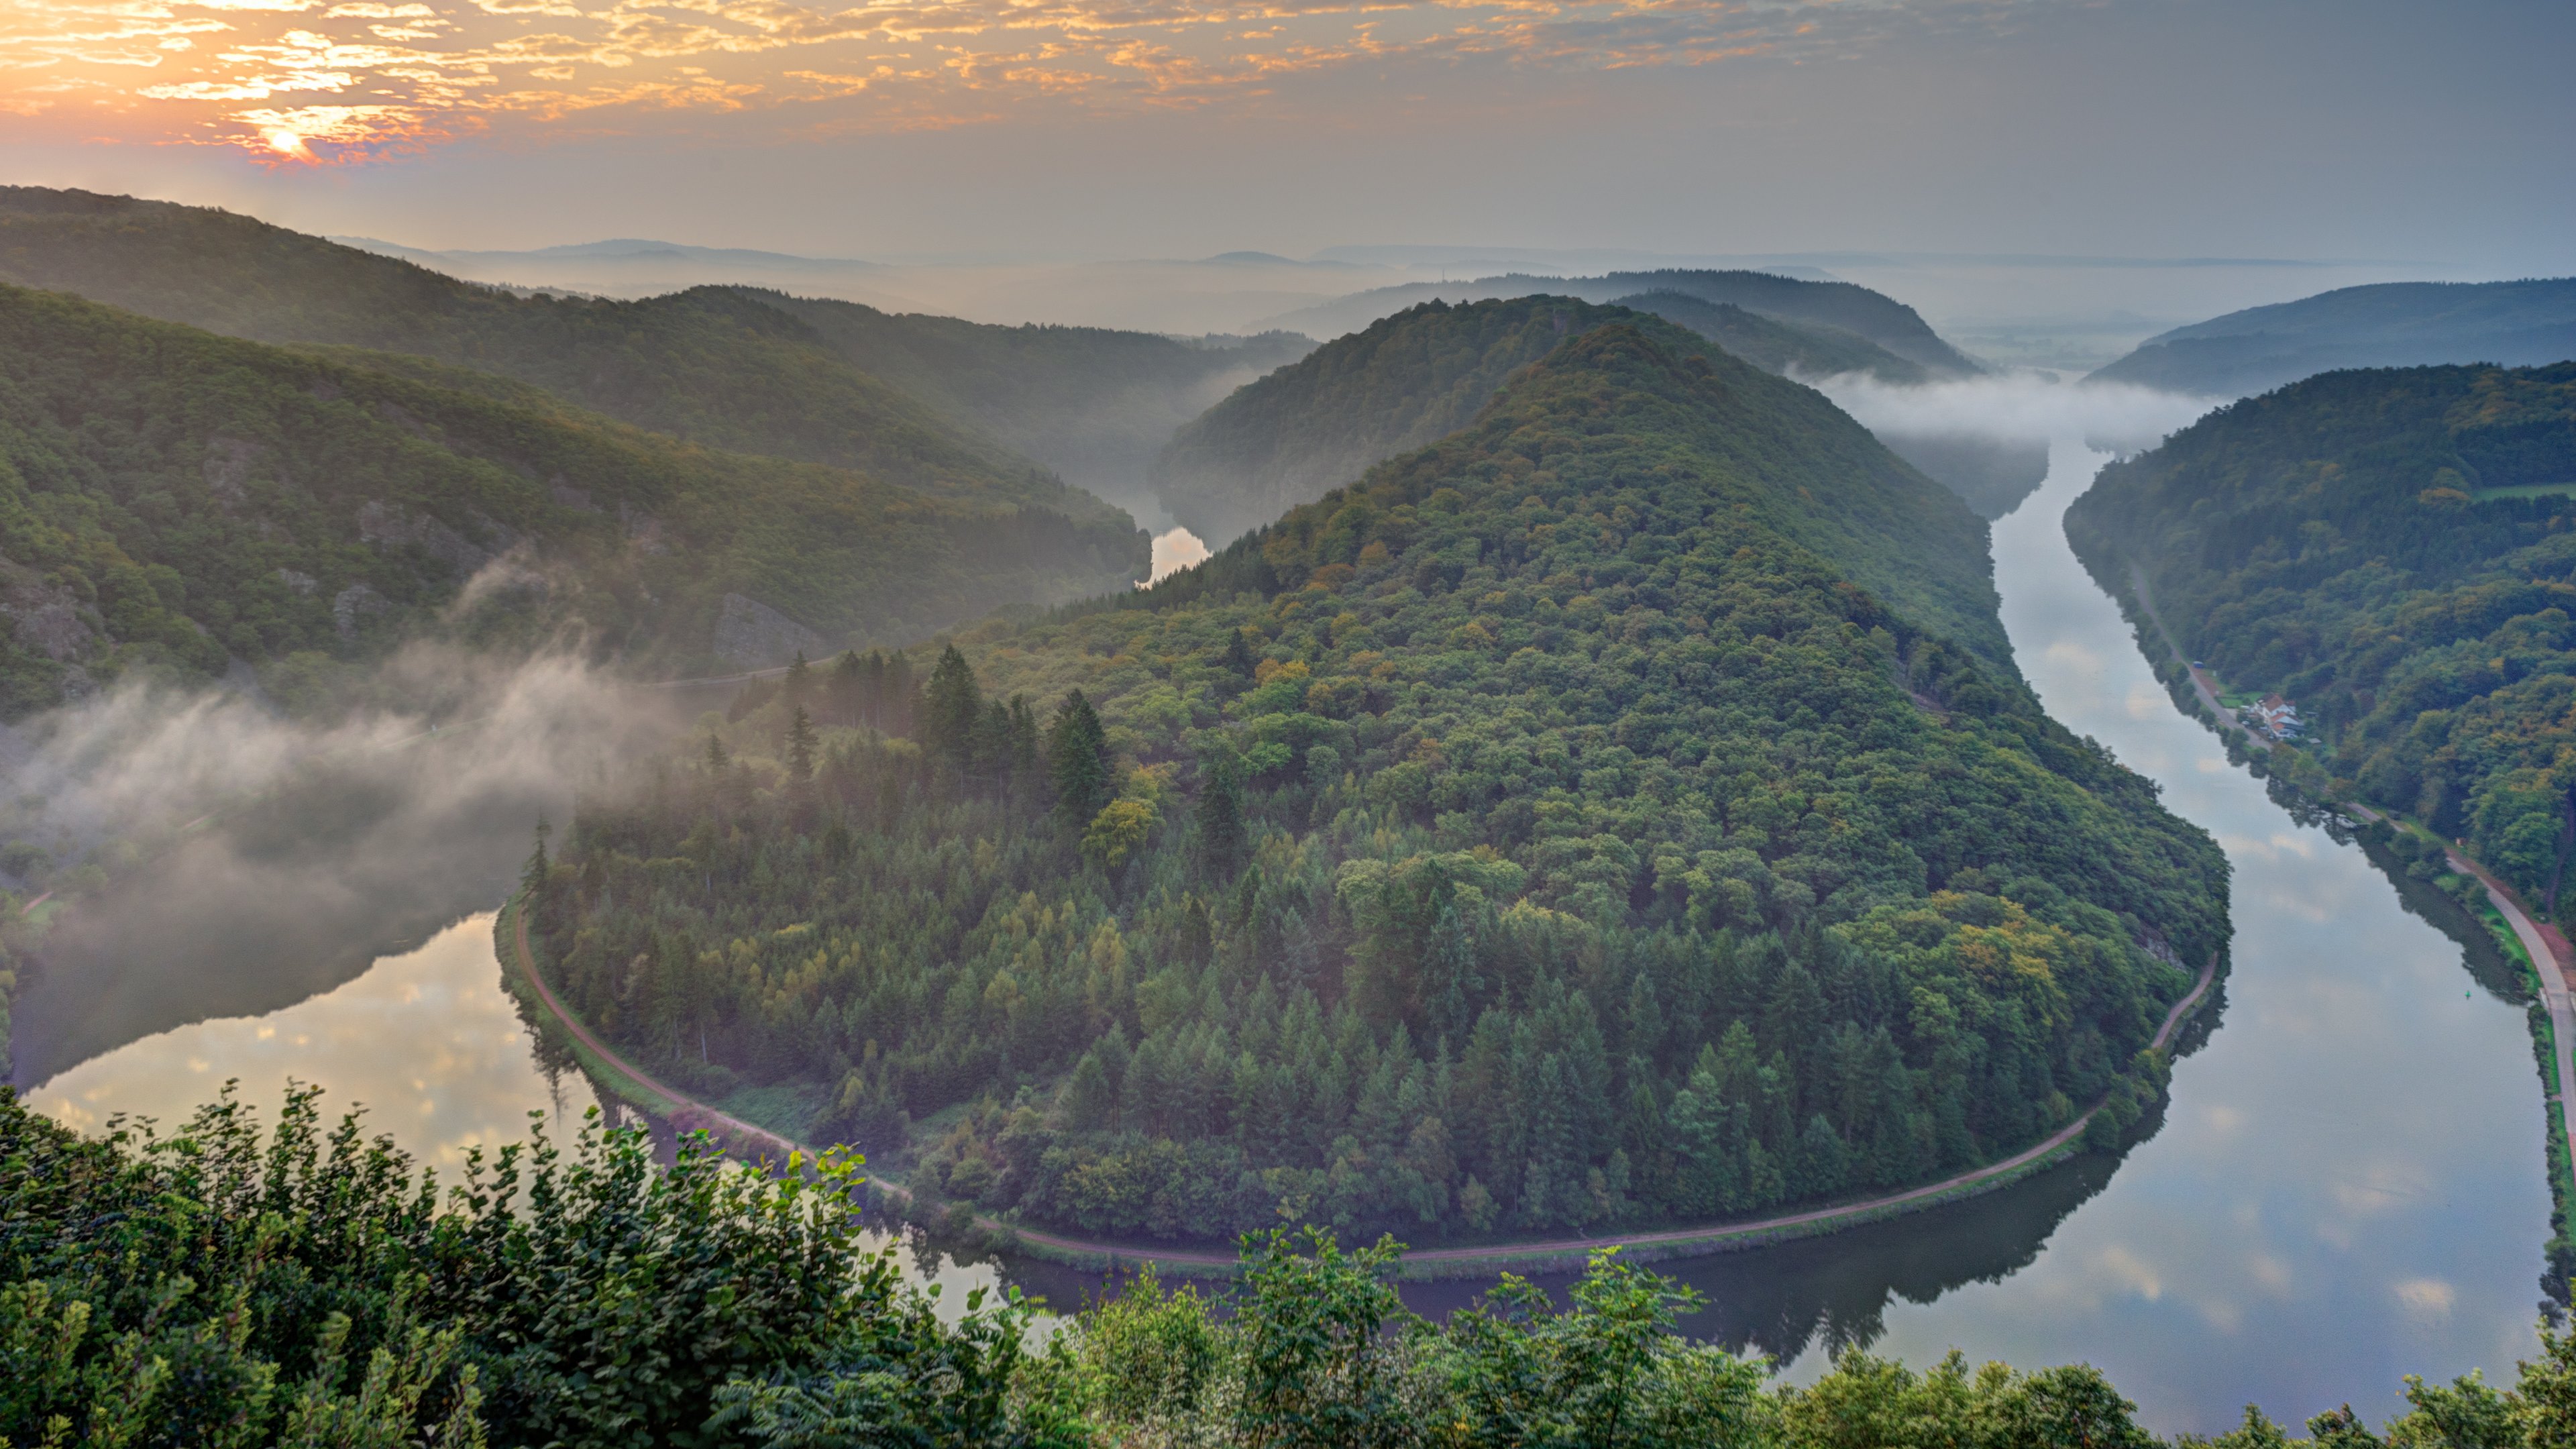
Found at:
(456, 67)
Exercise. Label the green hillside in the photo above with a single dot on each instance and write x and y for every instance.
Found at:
(2393, 324)
(1811, 351)
(2394, 551)
(1422, 374)
(1092, 404)
(173, 499)
(713, 366)
(1545, 831)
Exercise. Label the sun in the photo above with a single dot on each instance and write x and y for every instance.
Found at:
(287, 143)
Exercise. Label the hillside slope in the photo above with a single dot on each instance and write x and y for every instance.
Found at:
(2394, 551)
(1092, 404)
(1424, 373)
(711, 365)
(173, 498)
(1537, 833)
(2395, 324)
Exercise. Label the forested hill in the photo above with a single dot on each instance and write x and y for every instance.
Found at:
(1838, 313)
(1091, 403)
(1425, 373)
(174, 498)
(2394, 551)
(2395, 324)
(1539, 833)
(712, 366)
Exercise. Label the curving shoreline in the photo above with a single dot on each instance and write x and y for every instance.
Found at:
(689, 1112)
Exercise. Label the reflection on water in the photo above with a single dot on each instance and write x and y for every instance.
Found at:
(426, 1041)
(2349, 1184)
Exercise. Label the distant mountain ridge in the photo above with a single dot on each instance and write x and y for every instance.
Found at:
(1841, 306)
(2391, 324)
(1091, 403)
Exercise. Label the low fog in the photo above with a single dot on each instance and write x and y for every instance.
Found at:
(2112, 417)
(231, 862)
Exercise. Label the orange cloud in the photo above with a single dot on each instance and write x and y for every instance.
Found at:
(402, 77)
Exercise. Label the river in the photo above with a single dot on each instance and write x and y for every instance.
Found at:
(2346, 1187)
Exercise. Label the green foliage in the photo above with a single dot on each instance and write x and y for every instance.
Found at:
(1608, 857)
(2323, 542)
(171, 499)
(221, 1286)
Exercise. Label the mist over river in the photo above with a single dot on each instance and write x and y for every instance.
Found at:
(2347, 1185)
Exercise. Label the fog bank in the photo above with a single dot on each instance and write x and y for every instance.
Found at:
(225, 861)
(2114, 417)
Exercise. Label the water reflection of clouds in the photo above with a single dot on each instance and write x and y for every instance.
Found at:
(425, 1040)
(2355, 1132)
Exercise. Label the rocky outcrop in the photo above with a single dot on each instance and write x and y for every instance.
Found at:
(45, 617)
(752, 635)
(382, 523)
(354, 603)
(228, 465)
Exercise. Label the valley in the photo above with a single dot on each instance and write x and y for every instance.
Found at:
(1557, 774)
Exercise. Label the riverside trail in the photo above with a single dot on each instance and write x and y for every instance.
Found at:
(688, 1111)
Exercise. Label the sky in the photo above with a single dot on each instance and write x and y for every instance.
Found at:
(2407, 133)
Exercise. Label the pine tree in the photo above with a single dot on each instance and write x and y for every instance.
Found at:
(1222, 836)
(847, 690)
(1078, 760)
(716, 757)
(800, 678)
(532, 877)
(800, 748)
(952, 708)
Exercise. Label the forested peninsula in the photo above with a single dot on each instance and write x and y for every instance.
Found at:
(2394, 552)
(1622, 811)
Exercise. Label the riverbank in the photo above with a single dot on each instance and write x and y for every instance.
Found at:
(641, 1089)
(2546, 958)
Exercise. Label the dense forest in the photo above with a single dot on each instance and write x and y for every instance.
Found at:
(175, 500)
(2389, 324)
(715, 366)
(1554, 829)
(306, 1286)
(2395, 552)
